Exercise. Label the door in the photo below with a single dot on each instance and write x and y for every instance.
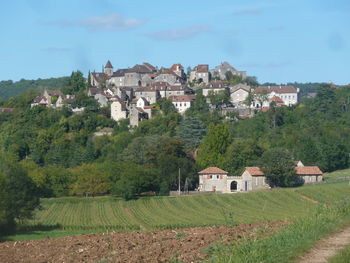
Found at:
(246, 186)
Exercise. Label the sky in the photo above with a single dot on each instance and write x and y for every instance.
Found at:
(277, 41)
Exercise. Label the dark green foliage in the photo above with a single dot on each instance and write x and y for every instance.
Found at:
(213, 147)
(278, 167)
(219, 98)
(160, 125)
(9, 88)
(76, 83)
(191, 131)
(18, 195)
(200, 105)
(167, 106)
(241, 153)
(135, 179)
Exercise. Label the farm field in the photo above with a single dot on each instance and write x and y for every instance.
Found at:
(67, 216)
(337, 174)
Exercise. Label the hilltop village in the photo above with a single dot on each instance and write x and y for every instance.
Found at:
(218, 125)
(132, 93)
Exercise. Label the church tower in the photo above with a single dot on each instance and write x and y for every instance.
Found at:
(108, 70)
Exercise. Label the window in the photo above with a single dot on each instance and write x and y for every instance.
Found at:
(211, 177)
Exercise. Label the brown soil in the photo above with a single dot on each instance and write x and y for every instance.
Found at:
(327, 247)
(186, 245)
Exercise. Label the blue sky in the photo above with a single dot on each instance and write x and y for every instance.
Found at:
(277, 41)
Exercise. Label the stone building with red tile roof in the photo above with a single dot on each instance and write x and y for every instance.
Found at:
(264, 95)
(214, 179)
(200, 72)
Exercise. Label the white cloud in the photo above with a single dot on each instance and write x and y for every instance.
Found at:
(111, 22)
(180, 33)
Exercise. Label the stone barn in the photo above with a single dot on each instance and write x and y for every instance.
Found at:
(214, 179)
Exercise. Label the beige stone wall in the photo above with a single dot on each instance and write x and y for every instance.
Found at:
(239, 96)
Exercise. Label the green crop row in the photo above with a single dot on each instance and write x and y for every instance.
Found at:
(184, 211)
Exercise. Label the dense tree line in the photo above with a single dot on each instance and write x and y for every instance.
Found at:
(61, 155)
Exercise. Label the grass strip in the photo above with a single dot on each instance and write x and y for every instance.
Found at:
(288, 244)
(342, 257)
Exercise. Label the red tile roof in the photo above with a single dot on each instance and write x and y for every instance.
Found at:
(212, 170)
(176, 66)
(254, 171)
(265, 109)
(276, 89)
(308, 170)
(277, 99)
(181, 98)
(202, 68)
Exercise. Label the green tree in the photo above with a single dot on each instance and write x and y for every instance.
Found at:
(213, 147)
(90, 179)
(18, 195)
(135, 179)
(241, 153)
(278, 167)
(167, 107)
(191, 131)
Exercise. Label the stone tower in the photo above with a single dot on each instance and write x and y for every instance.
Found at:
(108, 70)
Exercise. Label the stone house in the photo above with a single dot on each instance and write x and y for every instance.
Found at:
(166, 90)
(310, 174)
(179, 70)
(64, 100)
(150, 93)
(239, 94)
(52, 95)
(289, 95)
(214, 179)
(119, 110)
(118, 78)
(39, 101)
(138, 75)
(48, 99)
(102, 96)
(214, 86)
(183, 102)
(133, 76)
(220, 71)
(167, 75)
(100, 79)
(139, 110)
(102, 99)
(200, 72)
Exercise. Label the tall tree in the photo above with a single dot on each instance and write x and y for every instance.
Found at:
(18, 195)
(278, 167)
(213, 147)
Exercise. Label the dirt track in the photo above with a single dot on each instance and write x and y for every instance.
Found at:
(186, 245)
(327, 247)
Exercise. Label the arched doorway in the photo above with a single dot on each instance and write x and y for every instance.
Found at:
(233, 186)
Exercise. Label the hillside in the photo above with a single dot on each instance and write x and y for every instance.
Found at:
(9, 88)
